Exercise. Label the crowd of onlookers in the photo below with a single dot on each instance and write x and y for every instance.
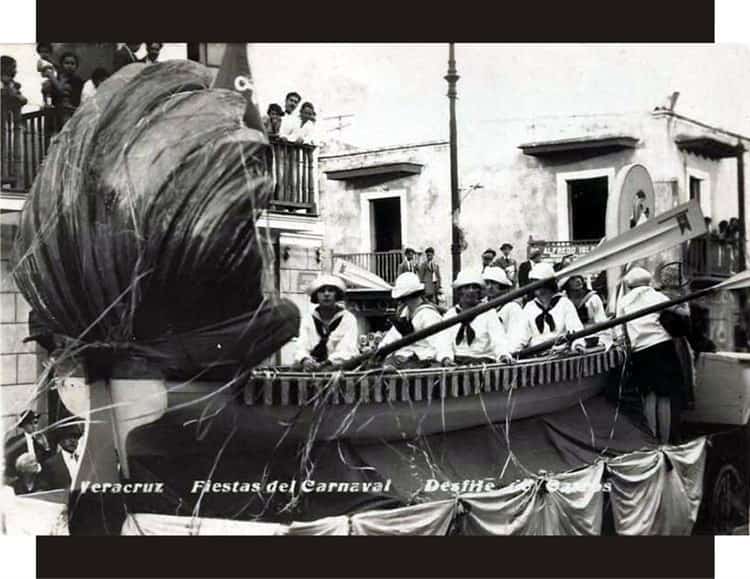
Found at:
(288, 126)
(61, 85)
(718, 250)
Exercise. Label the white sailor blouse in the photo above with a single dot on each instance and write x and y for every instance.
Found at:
(645, 331)
(481, 337)
(436, 347)
(512, 318)
(542, 323)
(334, 341)
(591, 311)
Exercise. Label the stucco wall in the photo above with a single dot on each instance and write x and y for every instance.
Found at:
(508, 195)
(427, 196)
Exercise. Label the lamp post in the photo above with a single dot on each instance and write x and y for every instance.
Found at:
(452, 77)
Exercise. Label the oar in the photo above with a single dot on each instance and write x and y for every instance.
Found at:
(737, 281)
(662, 232)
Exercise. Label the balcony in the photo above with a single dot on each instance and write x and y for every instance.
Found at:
(25, 141)
(382, 263)
(710, 258)
(26, 138)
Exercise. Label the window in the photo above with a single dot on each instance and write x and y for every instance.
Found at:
(587, 199)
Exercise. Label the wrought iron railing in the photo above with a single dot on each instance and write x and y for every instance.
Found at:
(382, 263)
(26, 138)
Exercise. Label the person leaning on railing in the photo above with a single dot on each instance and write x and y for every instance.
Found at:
(11, 98)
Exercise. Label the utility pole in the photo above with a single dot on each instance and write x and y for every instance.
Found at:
(452, 77)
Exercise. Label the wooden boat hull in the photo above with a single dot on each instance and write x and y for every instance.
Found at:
(373, 407)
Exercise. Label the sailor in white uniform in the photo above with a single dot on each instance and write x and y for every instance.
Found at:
(481, 338)
(416, 313)
(588, 305)
(329, 334)
(550, 314)
(511, 315)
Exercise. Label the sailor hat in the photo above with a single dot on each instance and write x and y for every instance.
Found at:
(323, 281)
(498, 275)
(468, 277)
(406, 284)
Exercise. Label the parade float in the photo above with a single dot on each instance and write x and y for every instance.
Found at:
(138, 248)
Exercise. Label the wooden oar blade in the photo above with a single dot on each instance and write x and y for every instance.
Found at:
(737, 281)
(664, 231)
(358, 276)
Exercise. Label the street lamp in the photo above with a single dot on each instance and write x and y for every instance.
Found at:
(452, 77)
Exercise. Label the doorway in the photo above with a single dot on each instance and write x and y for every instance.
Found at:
(385, 224)
(587, 200)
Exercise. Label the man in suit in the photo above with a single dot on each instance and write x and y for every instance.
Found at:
(60, 469)
(409, 264)
(126, 55)
(535, 256)
(29, 441)
(487, 258)
(429, 274)
(506, 262)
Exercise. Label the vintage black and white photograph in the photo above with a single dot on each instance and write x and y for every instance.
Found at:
(375, 289)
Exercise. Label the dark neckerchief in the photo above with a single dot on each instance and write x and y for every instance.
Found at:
(465, 331)
(403, 323)
(545, 316)
(325, 329)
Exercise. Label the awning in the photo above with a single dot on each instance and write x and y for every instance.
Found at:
(706, 146)
(596, 145)
(391, 169)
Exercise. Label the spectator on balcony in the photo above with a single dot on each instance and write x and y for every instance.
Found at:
(45, 52)
(409, 264)
(306, 132)
(126, 55)
(272, 120)
(290, 122)
(65, 90)
(328, 335)
(535, 256)
(487, 258)
(506, 262)
(429, 274)
(97, 77)
(12, 98)
(152, 52)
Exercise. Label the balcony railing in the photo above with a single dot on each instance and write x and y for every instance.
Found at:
(26, 138)
(292, 168)
(711, 257)
(382, 263)
(25, 141)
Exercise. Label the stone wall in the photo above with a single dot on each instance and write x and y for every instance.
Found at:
(19, 364)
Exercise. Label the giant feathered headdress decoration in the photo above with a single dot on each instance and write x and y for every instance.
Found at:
(139, 236)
